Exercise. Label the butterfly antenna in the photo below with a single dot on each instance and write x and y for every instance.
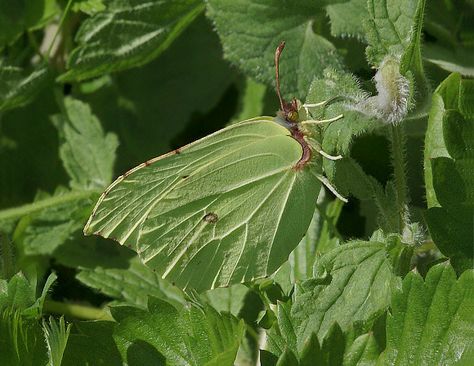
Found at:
(278, 52)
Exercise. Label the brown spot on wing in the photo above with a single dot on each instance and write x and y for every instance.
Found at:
(211, 217)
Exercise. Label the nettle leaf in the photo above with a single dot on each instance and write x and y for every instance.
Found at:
(445, 97)
(88, 154)
(230, 299)
(347, 18)
(320, 237)
(19, 87)
(128, 34)
(190, 336)
(132, 284)
(56, 335)
(389, 30)
(22, 341)
(19, 295)
(351, 288)
(41, 232)
(339, 136)
(448, 154)
(218, 211)
(270, 22)
(21, 15)
(431, 322)
(394, 35)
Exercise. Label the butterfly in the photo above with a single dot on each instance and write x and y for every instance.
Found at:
(228, 208)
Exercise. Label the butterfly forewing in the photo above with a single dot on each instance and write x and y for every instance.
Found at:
(227, 209)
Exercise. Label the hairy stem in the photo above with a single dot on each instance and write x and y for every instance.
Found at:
(398, 141)
(76, 311)
(17, 212)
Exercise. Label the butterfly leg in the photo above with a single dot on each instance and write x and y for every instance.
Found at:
(317, 122)
(328, 156)
(329, 186)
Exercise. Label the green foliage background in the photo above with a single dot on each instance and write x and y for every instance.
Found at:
(92, 88)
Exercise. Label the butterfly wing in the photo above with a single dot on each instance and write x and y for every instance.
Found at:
(225, 209)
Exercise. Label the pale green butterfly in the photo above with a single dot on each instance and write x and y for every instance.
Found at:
(228, 208)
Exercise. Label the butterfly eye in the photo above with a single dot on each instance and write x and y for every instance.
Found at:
(292, 116)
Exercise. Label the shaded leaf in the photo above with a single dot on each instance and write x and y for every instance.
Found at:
(250, 33)
(91, 343)
(133, 284)
(19, 87)
(20, 15)
(127, 34)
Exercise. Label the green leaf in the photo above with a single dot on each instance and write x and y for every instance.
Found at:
(90, 7)
(88, 154)
(56, 335)
(230, 299)
(390, 28)
(41, 231)
(431, 322)
(190, 336)
(353, 284)
(445, 97)
(251, 32)
(19, 87)
(351, 288)
(132, 284)
(127, 34)
(211, 199)
(252, 100)
(151, 111)
(347, 18)
(453, 60)
(19, 294)
(321, 237)
(91, 343)
(448, 153)
(22, 342)
(21, 15)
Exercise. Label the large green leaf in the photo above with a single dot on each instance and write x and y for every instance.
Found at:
(88, 154)
(250, 33)
(56, 335)
(153, 112)
(222, 206)
(190, 336)
(431, 322)
(448, 155)
(352, 287)
(19, 87)
(128, 34)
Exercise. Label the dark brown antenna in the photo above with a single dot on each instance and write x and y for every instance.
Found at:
(278, 52)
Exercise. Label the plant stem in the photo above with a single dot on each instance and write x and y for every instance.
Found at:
(63, 18)
(17, 212)
(399, 171)
(76, 311)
